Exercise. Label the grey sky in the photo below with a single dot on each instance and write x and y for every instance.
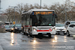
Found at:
(6, 3)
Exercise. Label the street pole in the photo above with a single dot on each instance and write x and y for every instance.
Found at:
(40, 3)
(65, 15)
(9, 14)
(14, 13)
(0, 5)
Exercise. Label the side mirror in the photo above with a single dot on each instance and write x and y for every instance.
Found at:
(67, 23)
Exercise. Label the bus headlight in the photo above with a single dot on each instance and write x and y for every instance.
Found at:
(53, 28)
(56, 29)
(34, 29)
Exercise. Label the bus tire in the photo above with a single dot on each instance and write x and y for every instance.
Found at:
(40, 35)
(49, 35)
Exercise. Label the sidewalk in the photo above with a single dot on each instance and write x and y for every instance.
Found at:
(1, 47)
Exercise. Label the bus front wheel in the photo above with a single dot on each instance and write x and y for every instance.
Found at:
(40, 35)
(49, 35)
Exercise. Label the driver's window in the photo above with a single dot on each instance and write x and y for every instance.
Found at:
(72, 26)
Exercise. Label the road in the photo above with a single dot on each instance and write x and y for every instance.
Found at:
(17, 41)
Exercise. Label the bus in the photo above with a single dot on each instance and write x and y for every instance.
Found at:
(38, 22)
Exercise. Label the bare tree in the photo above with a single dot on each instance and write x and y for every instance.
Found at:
(37, 6)
(19, 12)
(62, 10)
(31, 6)
(26, 7)
(45, 6)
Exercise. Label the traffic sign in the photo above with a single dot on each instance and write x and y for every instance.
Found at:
(13, 22)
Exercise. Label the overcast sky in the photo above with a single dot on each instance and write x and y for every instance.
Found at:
(6, 3)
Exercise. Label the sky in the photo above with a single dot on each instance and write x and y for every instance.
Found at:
(6, 3)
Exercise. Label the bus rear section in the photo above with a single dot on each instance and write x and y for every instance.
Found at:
(39, 22)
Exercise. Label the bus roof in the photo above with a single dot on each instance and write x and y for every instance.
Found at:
(30, 11)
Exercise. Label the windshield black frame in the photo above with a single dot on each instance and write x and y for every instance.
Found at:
(39, 19)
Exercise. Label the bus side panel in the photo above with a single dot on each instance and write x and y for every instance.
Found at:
(27, 23)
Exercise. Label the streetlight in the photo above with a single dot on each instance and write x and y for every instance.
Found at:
(14, 12)
(40, 3)
(0, 4)
(65, 15)
(0, 7)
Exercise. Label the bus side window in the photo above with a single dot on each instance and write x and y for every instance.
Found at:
(34, 20)
(27, 19)
(30, 16)
(27, 22)
(30, 21)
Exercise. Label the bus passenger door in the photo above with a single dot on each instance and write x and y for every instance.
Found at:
(30, 23)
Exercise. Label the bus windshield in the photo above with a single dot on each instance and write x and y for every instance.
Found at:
(43, 20)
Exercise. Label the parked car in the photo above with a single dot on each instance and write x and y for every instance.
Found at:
(60, 29)
(8, 23)
(7, 27)
(17, 28)
(71, 29)
(12, 28)
(68, 22)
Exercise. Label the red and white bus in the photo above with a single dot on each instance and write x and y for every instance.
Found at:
(38, 22)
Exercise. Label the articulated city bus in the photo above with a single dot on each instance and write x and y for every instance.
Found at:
(38, 22)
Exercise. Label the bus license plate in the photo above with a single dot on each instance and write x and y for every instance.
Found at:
(44, 33)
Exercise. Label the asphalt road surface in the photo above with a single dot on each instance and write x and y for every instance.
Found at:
(17, 41)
